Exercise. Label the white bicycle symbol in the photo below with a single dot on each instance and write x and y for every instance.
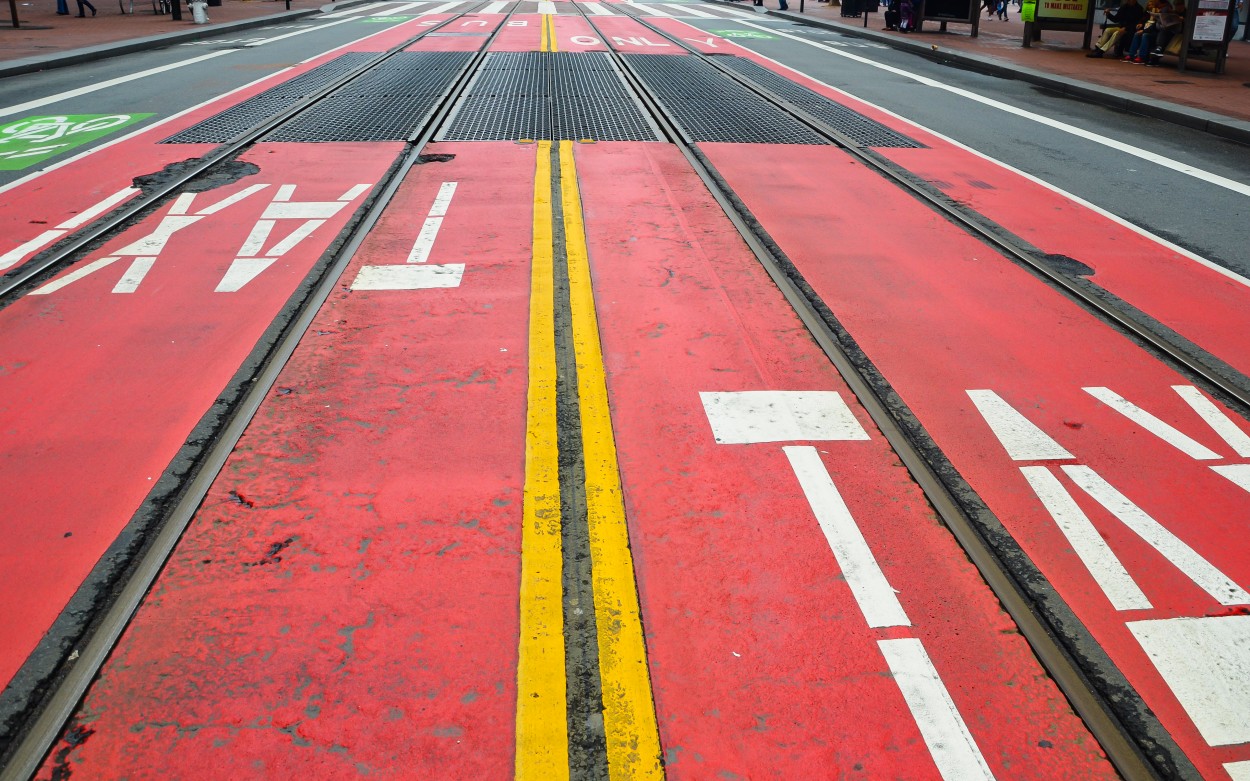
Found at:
(40, 129)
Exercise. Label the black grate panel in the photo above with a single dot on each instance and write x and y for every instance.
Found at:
(712, 107)
(222, 127)
(856, 126)
(388, 103)
(548, 96)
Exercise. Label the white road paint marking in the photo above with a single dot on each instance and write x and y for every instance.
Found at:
(20, 252)
(1219, 422)
(254, 244)
(355, 192)
(227, 202)
(747, 417)
(420, 251)
(424, 243)
(950, 743)
(89, 214)
(734, 13)
(139, 269)
(1128, 149)
(317, 28)
(547, 7)
(1238, 473)
(400, 10)
(357, 11)
(1238, 771)
(873, 593)
(1164, 431)
(19, 108)
(1090, 547)
(242, 271)
(74, 276)
(154, 242)
(1022, 440)
(1206, 663)
(439, 9)
(650, 10)
(673, 9)
(597, 9)
(396, 277)
(296, 236)
(1076, 199)
(495, 7)
(1202, 572)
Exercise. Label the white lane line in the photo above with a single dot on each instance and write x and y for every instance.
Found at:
(1128, 149)
(357, 11)
(397, 277)
(674, 9)
(400, 10)
(316, 29)
(421, 248)
(1076, 199)
(650, 10)
(868, 584)
(20, 252)
(440, 9)
(950, 743)
(1154, 425)
(1219, 422)
(597, 9)
(1238, 473)
(1206, 664)
(18, 108)
(495, 7)
(747, 417)
(1022, 440)
(1238, 771)
(89, 214)
(1203, 573)
(1090, 547)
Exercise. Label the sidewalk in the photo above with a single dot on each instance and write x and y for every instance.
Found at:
(1195, 98)
(45, 39)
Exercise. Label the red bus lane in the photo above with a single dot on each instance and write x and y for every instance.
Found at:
(1120, 480)
(794, 583)
(109, 366)
(345, 602)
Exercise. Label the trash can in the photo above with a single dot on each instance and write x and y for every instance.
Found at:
(853, 8)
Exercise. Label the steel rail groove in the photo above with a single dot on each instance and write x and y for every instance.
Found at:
(1096, 711)
(58, 706)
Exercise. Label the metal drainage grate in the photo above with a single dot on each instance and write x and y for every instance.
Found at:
(710, 106)
(856, 126)
(222, 127)
(548, 96)
(387, 103)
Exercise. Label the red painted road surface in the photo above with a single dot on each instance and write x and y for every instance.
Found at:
(900, 276)
(762, 663)
(102, 388)
(345, 604)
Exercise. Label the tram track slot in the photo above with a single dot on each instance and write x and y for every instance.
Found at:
(62, 254)
(46, 718)
(1132, 737)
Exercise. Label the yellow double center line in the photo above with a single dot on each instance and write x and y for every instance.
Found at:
(632, 736)
(547, 42)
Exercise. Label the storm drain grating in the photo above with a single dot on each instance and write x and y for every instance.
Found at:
(856, 126)
(710, 106)
(548, 96)
(222, 127)
(388, 103)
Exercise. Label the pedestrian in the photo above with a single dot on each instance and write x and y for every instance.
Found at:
(1126, 17)
(1002, 11)
(62, 8)
(86, 3)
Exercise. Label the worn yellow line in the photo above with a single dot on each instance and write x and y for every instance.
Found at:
(633, 739)
(544, 39)
(552, 43)
(542, 741)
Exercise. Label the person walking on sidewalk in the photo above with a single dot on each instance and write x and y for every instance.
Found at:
(86, 3)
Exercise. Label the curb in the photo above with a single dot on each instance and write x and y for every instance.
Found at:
(1193, 118)
(106, 50)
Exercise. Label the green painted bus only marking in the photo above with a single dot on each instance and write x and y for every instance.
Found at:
(34, 139)
(742, 34)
